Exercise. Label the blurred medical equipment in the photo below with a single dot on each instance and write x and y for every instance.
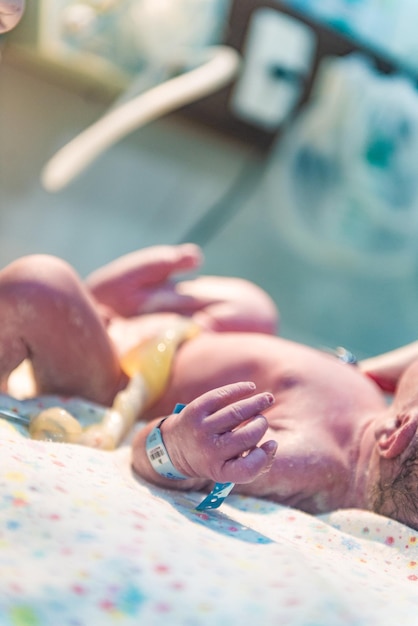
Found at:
(281, 50)
(388, 26)
(113, 46)
(347, 170)
(182, 67)
(219, 65)
(336, 145)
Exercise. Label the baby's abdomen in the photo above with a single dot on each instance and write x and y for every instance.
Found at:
(272, 363)
(212, 360)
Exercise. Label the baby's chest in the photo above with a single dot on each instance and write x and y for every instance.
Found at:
(309, 463)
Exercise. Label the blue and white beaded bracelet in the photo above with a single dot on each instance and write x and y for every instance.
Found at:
(161, 463)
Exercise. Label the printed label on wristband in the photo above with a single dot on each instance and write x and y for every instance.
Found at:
(158, 455)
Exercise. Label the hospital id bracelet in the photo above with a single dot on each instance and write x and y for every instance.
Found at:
(345, 356)
(218, 494)
(157, 452)
(161, 462)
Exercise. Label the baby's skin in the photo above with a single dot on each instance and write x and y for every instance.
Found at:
(294, 424)
(11, 12)
(74, 332)
(328, 440)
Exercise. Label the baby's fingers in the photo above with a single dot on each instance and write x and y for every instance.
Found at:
(236, 413)
(245, 469)
(235, 443)
(227, 407)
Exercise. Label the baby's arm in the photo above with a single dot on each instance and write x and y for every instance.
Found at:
(386, 369)
(214, 438)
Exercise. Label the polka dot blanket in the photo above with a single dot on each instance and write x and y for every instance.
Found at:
(84, 542)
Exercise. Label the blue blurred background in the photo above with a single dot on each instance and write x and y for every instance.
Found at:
(301, 175)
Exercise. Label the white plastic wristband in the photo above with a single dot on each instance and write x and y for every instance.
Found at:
(157, 452)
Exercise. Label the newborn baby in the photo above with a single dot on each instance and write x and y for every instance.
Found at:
(281, 420)
(307, 430)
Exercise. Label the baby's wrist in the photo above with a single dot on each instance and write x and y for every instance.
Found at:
(161, 462)
(157, 452)
(158, 455)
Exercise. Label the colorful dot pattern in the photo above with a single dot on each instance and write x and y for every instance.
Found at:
(83, 542)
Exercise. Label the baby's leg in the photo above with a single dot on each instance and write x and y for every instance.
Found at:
(226, 304)
(143, 282)
(48, 317)
(214, 303)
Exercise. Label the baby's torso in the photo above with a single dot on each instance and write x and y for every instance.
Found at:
(320, 405)
(304, 381)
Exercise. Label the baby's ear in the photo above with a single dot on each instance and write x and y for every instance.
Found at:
(395, 435)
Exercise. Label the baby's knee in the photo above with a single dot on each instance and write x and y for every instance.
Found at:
(37, 274)
(34, 265)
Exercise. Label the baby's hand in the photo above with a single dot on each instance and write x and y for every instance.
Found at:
(217, 435)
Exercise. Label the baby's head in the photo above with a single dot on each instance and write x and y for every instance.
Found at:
(393, 472)
(397, 496)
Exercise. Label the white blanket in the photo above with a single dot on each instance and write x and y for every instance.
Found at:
(83, 542)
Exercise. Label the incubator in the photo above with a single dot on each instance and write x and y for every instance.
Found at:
(347, 170)
(162, 54)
